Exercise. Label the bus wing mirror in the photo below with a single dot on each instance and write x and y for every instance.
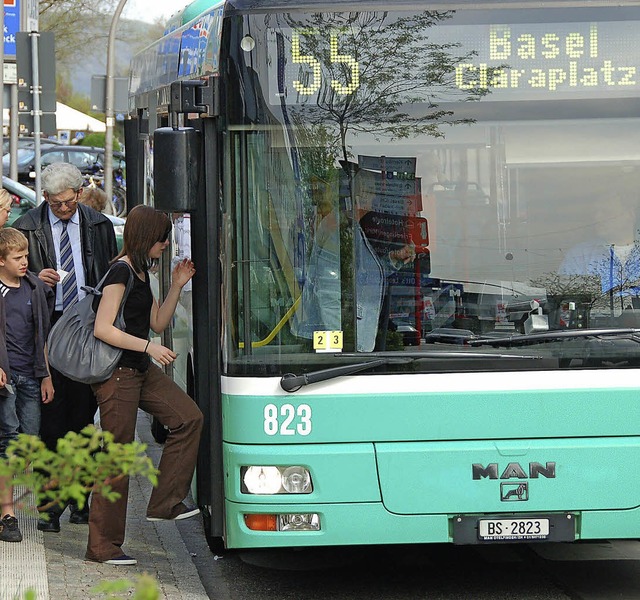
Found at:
(176, 168)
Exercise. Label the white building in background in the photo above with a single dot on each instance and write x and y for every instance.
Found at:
(68, 121)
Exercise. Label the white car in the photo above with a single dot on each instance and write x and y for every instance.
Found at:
(24, 199)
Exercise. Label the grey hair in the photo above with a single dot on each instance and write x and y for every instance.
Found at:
(60, 176)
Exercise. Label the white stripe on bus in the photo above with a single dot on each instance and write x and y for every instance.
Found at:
(439, 383)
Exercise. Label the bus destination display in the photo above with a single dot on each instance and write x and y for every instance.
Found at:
(521, 61)
(551, 60)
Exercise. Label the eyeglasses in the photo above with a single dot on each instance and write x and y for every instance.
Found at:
(69, 203)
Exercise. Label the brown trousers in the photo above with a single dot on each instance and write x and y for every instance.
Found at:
(118, 400)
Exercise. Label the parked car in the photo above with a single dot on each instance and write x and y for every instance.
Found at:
(449, 335)
(410, 335)
(27, 142)
(466, 193)
(24, 199)
(89, 159)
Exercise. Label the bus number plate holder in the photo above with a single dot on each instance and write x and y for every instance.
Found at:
(557, 527)
(515, 530)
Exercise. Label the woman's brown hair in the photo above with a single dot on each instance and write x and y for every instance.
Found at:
(145, 227)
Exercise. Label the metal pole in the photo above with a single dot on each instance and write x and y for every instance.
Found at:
(14, 127)
(36, 91)
(109, 101)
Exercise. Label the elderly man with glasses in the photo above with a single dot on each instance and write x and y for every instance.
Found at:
(70, 245)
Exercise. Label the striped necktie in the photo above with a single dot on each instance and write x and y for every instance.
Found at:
(69, 285)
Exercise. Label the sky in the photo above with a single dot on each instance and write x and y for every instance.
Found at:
(150, 10)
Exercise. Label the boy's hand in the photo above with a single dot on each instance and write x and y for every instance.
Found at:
(49, 276)
(3, 378)
(46, 389)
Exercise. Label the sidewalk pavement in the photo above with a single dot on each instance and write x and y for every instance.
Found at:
(53, 564)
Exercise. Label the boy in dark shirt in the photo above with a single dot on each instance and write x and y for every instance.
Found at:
(26, 305)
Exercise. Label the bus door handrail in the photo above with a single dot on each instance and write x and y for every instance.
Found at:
(277, 328)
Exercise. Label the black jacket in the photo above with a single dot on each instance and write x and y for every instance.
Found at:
(97, 238)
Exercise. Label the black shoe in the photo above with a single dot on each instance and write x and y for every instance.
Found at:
(9, 531)
(50, 525)
(79, 516)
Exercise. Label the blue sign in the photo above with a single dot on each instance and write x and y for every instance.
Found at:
(11, 27)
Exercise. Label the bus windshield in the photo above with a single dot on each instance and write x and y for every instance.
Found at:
(404, 181)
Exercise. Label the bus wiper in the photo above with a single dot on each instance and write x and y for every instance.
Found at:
(292, 383)
(547, 336)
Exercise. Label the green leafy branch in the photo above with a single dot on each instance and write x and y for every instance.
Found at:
(89, 461)
(144, 587)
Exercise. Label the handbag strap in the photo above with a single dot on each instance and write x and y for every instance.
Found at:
(97, 290)
(128, 287)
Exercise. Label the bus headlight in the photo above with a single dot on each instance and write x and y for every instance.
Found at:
(296, 480)
(276, 480)
(262, 480)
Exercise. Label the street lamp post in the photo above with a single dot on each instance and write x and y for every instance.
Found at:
(109, 102)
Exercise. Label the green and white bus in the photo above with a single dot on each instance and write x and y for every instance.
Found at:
(416, 313)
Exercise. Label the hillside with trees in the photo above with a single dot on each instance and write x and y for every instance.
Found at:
(81, 29)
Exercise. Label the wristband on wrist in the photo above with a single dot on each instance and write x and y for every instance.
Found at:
(145, 348)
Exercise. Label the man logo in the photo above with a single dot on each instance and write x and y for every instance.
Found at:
(514, 492)
(514, 471)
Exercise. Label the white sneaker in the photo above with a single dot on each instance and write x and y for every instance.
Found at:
(121, 560)
(186, 514)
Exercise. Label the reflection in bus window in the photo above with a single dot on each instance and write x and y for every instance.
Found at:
(439, 201)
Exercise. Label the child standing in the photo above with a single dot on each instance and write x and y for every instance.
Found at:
(26, 305)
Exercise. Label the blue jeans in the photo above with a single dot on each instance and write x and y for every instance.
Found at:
(20, 411)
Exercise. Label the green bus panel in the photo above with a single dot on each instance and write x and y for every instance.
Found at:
(426, 486)
(371, 523)
(611, 524)
(547, 475)
(341, 524)
(425, 416)
(340, 472)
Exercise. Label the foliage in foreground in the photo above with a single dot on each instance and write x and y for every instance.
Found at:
(83, 462)
(144, 587)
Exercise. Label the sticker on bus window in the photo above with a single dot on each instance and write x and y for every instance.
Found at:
(327, 341)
